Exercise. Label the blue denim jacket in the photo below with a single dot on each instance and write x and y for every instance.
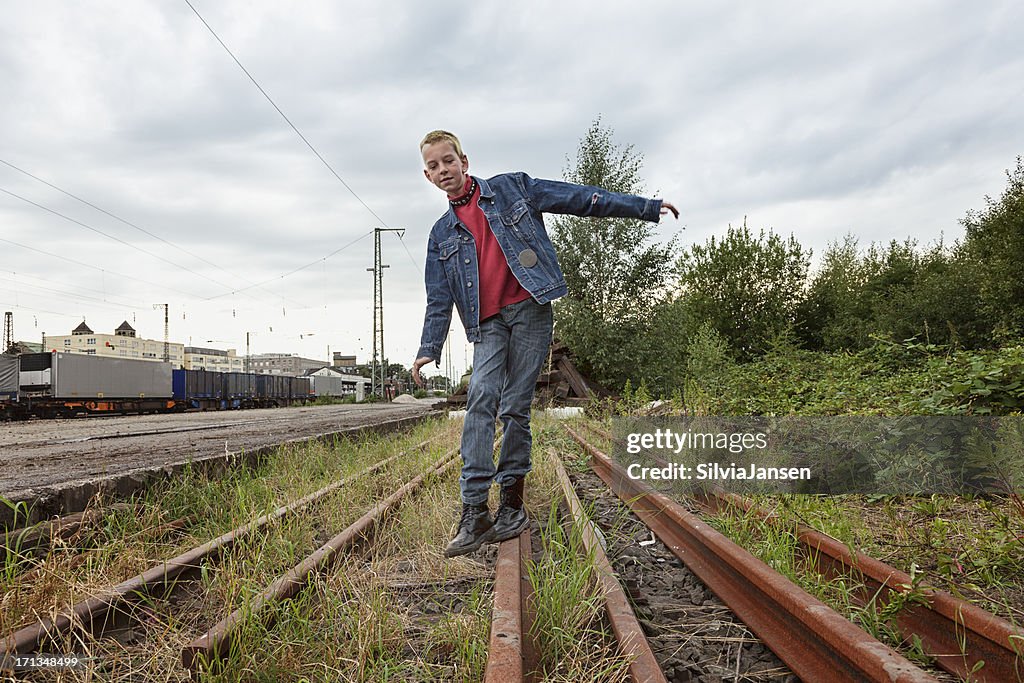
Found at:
(513, 204)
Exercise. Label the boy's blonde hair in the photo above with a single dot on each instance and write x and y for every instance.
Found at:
(443, 136)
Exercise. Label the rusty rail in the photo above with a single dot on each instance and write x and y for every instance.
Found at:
(96, 612)
(510, 656)
(211, 647)
(958, 635)
(813, 640)
(17, 541)
(643, 666)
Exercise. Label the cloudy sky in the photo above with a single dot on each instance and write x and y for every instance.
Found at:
(882, 120)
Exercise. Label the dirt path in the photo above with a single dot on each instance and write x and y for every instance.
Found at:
(45, 454)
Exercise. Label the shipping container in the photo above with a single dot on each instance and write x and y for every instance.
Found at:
(204, 384)
(333, 385)
(302, 388)
(9, 379)
(81, 376)
(272, 386)
(239, 385)
(34, 375)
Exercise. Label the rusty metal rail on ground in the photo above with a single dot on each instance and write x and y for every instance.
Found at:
(511, 657)
(18, 541)
(815, 642)
(643, 666)
(95, 613)
(962, 638)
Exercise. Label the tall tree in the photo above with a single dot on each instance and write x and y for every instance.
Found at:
(615, 272)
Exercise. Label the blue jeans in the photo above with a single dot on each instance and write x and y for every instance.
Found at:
(506, 361)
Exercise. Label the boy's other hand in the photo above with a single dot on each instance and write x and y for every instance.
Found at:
(419, 363)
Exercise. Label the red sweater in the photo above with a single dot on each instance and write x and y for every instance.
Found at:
(498, 287)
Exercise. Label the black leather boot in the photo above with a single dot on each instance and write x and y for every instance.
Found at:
(511, 519)
(474, 530)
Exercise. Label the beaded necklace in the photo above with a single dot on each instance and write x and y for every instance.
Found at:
(462, 201)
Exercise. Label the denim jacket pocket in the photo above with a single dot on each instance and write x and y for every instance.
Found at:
(447, 248)
(517, 219)
(445, 252)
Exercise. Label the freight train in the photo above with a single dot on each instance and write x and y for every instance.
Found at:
(69, 384)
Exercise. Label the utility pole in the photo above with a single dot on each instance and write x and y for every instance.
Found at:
(378, 370)
(167, 331)
(8, 331)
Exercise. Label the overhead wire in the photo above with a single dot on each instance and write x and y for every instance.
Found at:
(109, 304)
(171, 244)
(292, 272)
(112, 237)
(283, 115)
(116, 217)
(40, 310)
(137, 227)
(102, 270)
(297, 131)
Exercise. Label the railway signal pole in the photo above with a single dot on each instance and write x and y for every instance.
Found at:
(8, 331)
(378, 369)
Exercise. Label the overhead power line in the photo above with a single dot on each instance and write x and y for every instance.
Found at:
(112, 237)
(283, 115)
(116, 217)
(77, 293)
(36, 289)
(132, 225)
(319, 156)
(292, 272)
(40, 310)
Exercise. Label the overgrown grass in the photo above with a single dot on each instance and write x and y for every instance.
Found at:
(571, 638)
(398, 612)
(123, 548)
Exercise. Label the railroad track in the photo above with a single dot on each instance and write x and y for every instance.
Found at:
(963, 640)
(655, 631)
(128, 603)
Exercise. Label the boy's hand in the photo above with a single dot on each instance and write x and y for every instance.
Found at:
(666, 207)
(419, 363)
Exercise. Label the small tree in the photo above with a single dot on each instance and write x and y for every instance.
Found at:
(615, 274)
(747, 288)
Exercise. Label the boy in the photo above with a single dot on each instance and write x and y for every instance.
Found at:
(491, 257)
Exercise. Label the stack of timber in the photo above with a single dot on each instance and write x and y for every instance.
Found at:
(559, 383)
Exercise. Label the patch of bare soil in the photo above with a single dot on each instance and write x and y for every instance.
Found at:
(42, 454)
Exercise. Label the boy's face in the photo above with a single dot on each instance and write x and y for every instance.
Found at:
(444, 168)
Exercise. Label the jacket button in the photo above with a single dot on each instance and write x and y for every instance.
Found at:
(469, 283)
(472, 309)
(467, 262)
